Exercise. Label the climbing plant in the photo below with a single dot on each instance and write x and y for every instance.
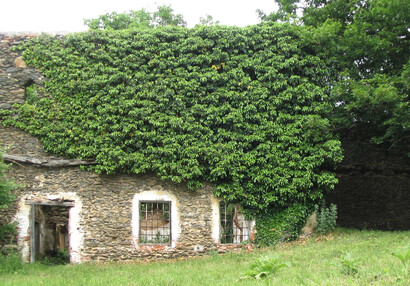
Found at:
(240, 107)
(6, 196)
(281, 224)
(6, 185)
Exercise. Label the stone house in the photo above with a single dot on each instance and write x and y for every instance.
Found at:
(101, 217)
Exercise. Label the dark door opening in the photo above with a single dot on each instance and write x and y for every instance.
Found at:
(37, 238)
(49, 236)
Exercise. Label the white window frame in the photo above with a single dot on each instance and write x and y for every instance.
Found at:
(155, 196)
(169, 222)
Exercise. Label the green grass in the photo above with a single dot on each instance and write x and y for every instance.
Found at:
(312, 263)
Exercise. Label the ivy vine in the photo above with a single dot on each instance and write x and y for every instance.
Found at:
(242, 108)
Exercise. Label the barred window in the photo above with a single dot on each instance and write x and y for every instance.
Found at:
(155, 222)
(234, 227)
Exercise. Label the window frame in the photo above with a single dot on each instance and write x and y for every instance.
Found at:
(140, 202)
(223, 218)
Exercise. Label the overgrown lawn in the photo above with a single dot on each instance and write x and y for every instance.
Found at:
(316, 261)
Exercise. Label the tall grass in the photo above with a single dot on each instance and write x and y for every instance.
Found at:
(10, 264)
(312, 263)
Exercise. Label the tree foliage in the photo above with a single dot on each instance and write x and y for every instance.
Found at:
(366, 42)
(139, 19)
(208, 20)
(240, 107)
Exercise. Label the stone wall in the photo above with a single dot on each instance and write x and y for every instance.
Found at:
(105, 225)
(104, 218)
(373, 190)
(106, 210)
(14, 74)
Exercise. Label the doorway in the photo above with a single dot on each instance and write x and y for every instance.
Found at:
(49, 224)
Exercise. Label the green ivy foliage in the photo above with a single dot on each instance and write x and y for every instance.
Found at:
(6, 187)
(240, 107)
(6, 197)
(283, 224)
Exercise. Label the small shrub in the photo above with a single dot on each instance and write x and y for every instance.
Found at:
(348, 264)
(7, 231)
(326, 219)
(265, 266)
(404, 256)
(60, 257)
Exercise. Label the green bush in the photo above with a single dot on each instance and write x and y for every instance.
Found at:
(326, 219)
(60, 257)
(7, 231)
(278, 225)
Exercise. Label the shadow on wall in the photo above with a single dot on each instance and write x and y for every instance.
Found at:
(373, 190)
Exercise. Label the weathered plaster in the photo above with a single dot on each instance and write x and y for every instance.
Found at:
(22, 218)
(75, 231)
(215, 222)
(23, 228)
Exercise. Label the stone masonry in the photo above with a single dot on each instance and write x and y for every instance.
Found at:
(14, 74)
(103, 220)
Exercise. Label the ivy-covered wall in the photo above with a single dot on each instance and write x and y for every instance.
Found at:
(101, 220)
(14, 76)
(242, 108)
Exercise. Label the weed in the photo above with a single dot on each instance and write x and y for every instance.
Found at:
(404, 256)
(7, 231)
(158, 239)
(265, 266)
(245, 242)
(60, 257)
(348, 264)
(326, 218)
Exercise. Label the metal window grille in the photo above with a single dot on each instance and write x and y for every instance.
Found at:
(234, 227)
(155, 223)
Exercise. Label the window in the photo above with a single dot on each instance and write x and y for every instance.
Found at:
(148, 227)
(154, 222)
(234, 227)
